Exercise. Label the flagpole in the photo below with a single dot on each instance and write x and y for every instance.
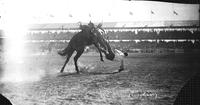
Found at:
(151, 17)
(173, 16)
(199, 18)
(152, 13)
(90, 19)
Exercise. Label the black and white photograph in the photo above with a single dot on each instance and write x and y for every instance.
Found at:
(99, 52)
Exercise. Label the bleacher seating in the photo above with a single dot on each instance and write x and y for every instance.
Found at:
(127, 39)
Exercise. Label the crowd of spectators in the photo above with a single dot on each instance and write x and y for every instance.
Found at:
(157, 45)
(154, 35)
(126, 46)
(50, 35)
(121, 35)
(124, 40)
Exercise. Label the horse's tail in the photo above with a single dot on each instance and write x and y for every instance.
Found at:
(65, 51)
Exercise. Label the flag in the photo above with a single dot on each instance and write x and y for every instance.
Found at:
(70, 15)
(109, 14)
(130, 13)
(152, 12)
(51, 15)
(175, 12)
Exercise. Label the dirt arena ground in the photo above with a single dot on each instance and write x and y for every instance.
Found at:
(148, 79)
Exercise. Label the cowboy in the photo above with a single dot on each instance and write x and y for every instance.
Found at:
(120, 57)
(87, 28)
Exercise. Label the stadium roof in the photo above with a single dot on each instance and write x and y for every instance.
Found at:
(113, 13)
(176, 1)
(112, 25)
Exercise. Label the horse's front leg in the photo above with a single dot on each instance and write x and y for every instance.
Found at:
(78, 54)
(101, 56)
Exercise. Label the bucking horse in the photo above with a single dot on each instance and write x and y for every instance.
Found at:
(89, 35)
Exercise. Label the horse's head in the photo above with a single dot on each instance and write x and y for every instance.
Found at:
(98, 32)
(110, 56)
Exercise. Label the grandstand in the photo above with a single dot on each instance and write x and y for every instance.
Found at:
(134, 39)
(177, 31)
(119, 25)
(159, 25)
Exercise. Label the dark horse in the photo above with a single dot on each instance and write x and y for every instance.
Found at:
(4, 100)
(86, 37)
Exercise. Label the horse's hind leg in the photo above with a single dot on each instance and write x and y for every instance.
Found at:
(68, 57)
(78, 54)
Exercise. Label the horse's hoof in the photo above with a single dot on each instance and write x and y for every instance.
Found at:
(121, 69)
(77, 71)
(61, 71)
